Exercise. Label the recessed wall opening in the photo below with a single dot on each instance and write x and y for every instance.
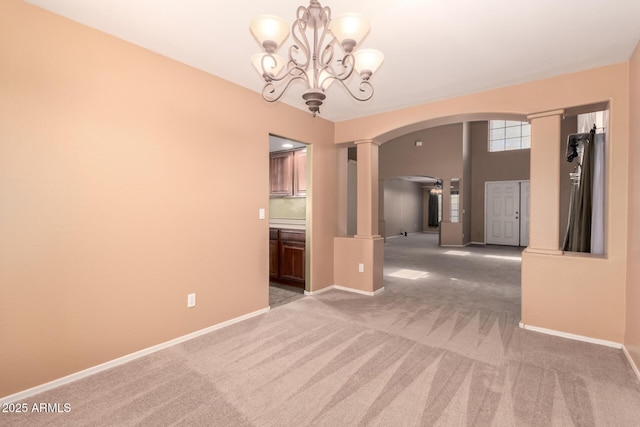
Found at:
(583, 180)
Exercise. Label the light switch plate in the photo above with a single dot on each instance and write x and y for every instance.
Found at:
(261, 213)
(191, 300)
(361, 268)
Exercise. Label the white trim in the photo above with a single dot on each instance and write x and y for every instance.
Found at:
(124, 359)
(631, 362)
(478, 243)
(358, 291)
(571, 336)
(319, 291)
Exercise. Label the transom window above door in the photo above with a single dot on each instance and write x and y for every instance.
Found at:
(509, 135)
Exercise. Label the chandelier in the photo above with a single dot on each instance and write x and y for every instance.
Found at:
(437, 188)
(324, 51)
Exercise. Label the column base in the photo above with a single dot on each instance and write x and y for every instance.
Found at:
(358, 263)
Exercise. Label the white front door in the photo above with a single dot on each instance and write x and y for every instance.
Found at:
(502, 207)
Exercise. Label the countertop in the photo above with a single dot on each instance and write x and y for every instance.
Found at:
(290, 224)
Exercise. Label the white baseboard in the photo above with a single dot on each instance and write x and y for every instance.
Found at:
(571, 336)
(358, 291)
(124, 359)
(344, 288)
(319, 291)
(479, 243)
(631, 362)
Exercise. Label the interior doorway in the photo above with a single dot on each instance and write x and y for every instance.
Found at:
(507, 213)
(289, 208)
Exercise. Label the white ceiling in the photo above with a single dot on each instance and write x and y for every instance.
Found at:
(277, 143)
(434, 49)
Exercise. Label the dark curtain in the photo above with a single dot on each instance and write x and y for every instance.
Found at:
(578, 235)
(433, 210)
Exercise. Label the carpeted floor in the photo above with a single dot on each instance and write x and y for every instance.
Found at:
(441, 346)
(280, 294)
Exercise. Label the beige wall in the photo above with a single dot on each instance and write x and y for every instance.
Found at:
(569, 293)
(632, 335)
(512, 165)
(440, 155)
(402, 206)
(113, 163)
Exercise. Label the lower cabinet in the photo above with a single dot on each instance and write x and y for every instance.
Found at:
(287, 257)
(274, 271)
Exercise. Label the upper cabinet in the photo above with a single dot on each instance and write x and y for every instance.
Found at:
(300, 173)
(288, 173)
(281, 173)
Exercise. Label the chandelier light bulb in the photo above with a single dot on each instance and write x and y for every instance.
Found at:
(367, 62)
(349, 29)
(270, 31)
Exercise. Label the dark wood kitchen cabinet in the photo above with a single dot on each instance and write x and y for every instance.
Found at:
(287, 257)
(280, 173)
(287, 173)
(300, 173)
(274, 247)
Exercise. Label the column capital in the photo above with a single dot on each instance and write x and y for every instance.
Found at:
(368, 141)
(559, 112)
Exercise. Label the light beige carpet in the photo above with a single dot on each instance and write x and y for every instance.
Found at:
(441, 346)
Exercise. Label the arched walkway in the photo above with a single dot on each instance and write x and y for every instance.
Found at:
(561, 292)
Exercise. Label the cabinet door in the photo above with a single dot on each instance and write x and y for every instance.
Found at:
(273, 259)
(281, 169)
(300, 172)
(292, 261)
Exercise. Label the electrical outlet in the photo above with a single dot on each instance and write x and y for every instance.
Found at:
(261, 213)
(191, 300)
(361, 268)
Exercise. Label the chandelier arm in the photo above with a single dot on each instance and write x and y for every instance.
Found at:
(323, 49)
(327, 13)
(292, 72)
(346, 70)
(348, 66)
(298, 32)
(365, 87)
(271, 88)
(326, 55)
